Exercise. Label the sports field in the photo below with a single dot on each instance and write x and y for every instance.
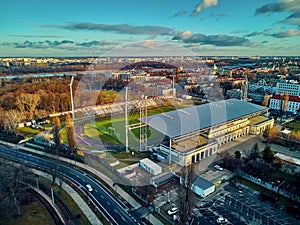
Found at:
(112, 129)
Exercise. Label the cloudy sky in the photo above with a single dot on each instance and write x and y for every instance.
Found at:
(99, 27)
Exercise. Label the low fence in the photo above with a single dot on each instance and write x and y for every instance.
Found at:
(276, 188)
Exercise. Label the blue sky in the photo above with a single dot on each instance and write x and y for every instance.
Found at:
(202, 27)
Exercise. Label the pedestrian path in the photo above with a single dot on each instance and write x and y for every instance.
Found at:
(48, 199)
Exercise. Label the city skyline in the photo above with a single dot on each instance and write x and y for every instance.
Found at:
(158, 28)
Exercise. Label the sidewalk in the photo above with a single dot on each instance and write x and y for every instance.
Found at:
(48, 199)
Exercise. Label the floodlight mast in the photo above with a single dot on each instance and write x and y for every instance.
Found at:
(126, 119)
(71, 94)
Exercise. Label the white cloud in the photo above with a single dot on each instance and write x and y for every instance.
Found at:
(286, 34)
(203, 5)
(186, 34)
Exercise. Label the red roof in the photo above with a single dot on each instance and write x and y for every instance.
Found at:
(291, 98)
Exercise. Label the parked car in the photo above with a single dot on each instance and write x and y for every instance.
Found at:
(217, 167)
(293, 210)
(89, 187)
(222, 220)
(172, 211)
(269, 198)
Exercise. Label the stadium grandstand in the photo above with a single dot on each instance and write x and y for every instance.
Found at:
(195, 133)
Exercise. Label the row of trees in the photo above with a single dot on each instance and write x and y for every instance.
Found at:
(26, 101)
(71, 139)
(252, 156)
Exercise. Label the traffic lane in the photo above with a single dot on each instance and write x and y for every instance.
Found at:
(116, 212)
(112, 209)
(103, 199)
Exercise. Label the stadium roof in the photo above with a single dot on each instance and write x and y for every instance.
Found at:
(183, 121)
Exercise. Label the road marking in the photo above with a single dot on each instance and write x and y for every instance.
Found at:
(96, 191)
(101, 196)
(108, 203)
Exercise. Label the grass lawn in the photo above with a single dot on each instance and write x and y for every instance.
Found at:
(33, 213)
(293, 125)
(261, 189)
(68, 201)
(112, 129)
(28, 132)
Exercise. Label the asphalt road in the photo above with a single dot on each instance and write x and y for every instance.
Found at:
(113, 209)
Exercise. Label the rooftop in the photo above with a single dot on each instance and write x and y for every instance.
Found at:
(258, 119)
(190, 144)
(183, 121)
(150, 163)
(291, 98)
(202, 183)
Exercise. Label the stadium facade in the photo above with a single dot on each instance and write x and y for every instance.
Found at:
(195, 133)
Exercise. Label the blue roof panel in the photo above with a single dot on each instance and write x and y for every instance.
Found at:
(183, 121)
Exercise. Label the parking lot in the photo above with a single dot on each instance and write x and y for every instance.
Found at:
(247, 204)
(240, 205)
(209, 212)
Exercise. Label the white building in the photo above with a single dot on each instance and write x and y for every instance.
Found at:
(196, 133)
(203, 187)
(262, 87)
(150, 166)
(293, 103)
(290, 87)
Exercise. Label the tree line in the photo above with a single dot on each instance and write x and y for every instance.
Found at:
(26, 100)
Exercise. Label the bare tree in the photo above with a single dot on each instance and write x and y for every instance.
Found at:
(13, 188)
(28, 102)
(273, 133)
(70, 133)
(13, 118)
(285, 102)
(266, 100)
(186, 200)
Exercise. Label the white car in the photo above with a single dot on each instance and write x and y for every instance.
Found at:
(89, 187)
(172, 211)
(217, 167)
(224, 178)
(222, 220)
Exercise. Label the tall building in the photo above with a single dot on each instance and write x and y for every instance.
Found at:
(289, 87)
(276, 103)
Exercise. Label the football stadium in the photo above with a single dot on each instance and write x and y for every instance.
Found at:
(195, 133)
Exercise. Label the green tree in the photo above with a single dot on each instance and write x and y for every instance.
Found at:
(55, 167)
(56, 132)
(254, 154)
(268, 156)
(70, 133)
(237, 154)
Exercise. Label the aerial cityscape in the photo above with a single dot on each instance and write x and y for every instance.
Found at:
(160, 112)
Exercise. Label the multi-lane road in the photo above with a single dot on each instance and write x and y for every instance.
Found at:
(110, 206)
